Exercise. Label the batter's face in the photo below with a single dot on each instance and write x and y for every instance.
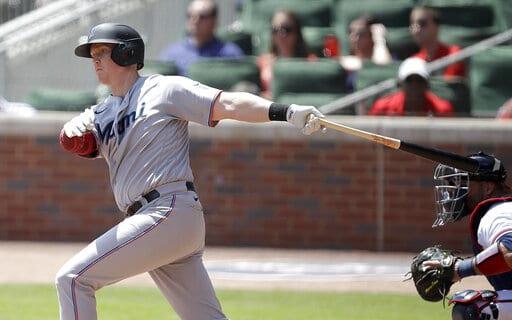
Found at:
(104, 66)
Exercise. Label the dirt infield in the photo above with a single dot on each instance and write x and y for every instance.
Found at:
(254, 268)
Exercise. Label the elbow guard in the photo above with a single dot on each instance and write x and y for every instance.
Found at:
(84, 146)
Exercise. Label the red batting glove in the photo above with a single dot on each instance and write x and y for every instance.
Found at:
(83, 146)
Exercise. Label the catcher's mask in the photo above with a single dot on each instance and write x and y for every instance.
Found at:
(452, 186)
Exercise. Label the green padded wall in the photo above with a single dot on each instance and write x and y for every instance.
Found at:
(60, 99)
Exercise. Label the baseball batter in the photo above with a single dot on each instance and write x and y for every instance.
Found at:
(141, 132)
(487, 200)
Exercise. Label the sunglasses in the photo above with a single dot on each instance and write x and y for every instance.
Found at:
(283, 30)
(201, 16)
(422, 23)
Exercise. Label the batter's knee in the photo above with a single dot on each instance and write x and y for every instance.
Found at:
(465, 312)
(63, 278)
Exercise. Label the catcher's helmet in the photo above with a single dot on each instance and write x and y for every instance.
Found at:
(129, 47)
(452, 185)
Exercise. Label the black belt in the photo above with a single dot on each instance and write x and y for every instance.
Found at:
(150, 196)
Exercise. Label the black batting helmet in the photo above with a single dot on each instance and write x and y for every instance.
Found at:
(129, 47)
(489, 168)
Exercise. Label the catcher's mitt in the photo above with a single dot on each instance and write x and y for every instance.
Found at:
(433, 284)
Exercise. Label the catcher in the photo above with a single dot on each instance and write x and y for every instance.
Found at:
(487, 199)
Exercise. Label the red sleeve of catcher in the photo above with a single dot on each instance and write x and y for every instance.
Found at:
(491, 261)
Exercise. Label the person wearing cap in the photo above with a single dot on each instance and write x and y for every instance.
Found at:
(486, 199)
(414, 97)
(201, 41)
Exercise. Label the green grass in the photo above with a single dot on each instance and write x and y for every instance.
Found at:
(39, 302)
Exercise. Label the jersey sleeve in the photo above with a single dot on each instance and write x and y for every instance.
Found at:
(496, 223)
(190, 100)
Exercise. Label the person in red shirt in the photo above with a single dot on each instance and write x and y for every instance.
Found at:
(424, 28)
(414, 98)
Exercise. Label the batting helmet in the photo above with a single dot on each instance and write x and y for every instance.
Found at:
(129, 47)
(489, 168)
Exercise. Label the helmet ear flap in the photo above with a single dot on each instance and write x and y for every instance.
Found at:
(122, 54)
(128, 53)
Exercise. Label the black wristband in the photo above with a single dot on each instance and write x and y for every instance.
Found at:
(277, 112)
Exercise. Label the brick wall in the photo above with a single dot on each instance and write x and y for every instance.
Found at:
(261, 185)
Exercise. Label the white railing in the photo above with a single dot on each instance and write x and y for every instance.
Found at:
(40, 28)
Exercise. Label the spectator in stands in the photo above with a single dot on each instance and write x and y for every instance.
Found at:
(424, 28)
(505, 112)
(414, 98)
(200, 41)
(367, 43)
(286, 42)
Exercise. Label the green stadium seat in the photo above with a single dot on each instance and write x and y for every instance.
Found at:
(258, 13)
(464, 36)
(159, 67)
(60, 99)
(490, 78)
(225, 73)
(391, 13)
(241, 38)
(371, 74)
(455, 91)
(470, 13)
(296, 75)
(314, 38)
(314, 99)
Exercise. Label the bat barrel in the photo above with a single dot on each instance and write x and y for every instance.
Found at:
(446, 158)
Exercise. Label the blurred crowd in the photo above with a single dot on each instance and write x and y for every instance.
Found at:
(367, 45)
(364, 50)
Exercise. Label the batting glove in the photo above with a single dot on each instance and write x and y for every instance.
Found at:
(80, 124)
(305, 118)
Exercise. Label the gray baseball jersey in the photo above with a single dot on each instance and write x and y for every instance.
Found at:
(144, 139)
(144, 136)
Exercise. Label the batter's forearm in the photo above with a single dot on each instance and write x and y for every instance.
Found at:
(241, 106)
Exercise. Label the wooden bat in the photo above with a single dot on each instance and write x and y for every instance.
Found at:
(446, 158)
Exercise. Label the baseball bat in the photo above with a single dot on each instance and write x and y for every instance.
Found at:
(444, 157)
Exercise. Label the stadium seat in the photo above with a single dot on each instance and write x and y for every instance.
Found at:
(258, 13)
(225, 73)
(490, 78)
(470, 13)
(314, 38)
(315, 81)
(313, 99)
(371, 74)
(161, 67)
(241, 38)
(60, 99)
(455, 91)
